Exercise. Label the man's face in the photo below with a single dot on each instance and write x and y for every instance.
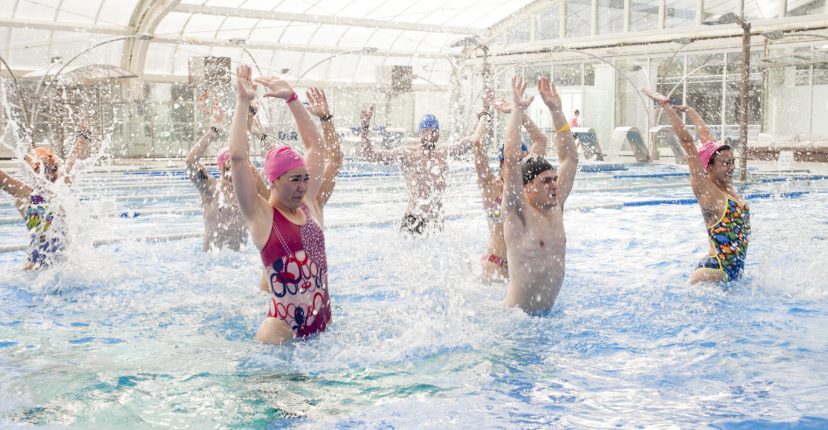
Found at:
(542, 190)
(722, 167)
(291, 187)
(49, 166)
(429, 136)
(225, 175)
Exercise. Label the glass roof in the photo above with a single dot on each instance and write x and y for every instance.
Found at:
(280, 35)
(290, 37)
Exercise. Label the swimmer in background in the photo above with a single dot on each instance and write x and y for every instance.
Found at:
(534, 194)
(283, 227)
(424, 167)
(35, 202)
(726, 214)
(224, 225)
(494, 262)
(575, 122)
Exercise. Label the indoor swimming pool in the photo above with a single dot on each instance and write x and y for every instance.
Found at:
(140, 328)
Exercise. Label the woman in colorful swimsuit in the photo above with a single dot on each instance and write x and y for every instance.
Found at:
(44, 219)
(494, 261)
(284, 227)
(726, 214)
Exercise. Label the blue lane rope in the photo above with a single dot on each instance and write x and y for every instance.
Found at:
(755, 196)
(794, 178)
(601, 168)
(650, 175)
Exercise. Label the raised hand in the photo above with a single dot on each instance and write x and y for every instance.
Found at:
(366, 115)
(518, 99)
(503, 106)
(488, 98)
(549, 94)
(318, 102)
(658, 97)
(684, 108)
(218, 114)
(202, 101)
(278, 88)
(247, 89)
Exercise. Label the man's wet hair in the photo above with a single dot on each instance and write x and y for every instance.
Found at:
(531, 167)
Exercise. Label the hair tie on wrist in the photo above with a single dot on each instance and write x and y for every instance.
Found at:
(327, 117)
(483, 113)
(665, 102)
(292, 97)
(214, 129)
(251, 110)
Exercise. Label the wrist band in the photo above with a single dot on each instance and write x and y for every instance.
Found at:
(327, 117)
(483, 113)
(251, 110)
(564, 129)
(292, 97)
(214, 129)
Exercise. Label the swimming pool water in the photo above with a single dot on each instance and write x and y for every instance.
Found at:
(159, 334)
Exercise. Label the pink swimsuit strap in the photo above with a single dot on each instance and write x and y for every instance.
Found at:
(286, 237)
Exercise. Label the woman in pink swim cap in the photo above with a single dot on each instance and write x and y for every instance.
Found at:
(283, 226)
(726, 214)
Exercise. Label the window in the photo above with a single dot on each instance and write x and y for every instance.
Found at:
(520, 33)
(567, 75)
(761, 9)
(548, 24)
(578, 18)
(679, 13)
(643, 15)
(610, 16)
(805, 7)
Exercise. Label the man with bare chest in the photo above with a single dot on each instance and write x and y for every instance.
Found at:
(224, 225)
(534, 193)
(424, 167)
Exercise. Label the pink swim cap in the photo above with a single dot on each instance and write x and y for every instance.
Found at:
(706, 152)
(222, 158)
(279, 160)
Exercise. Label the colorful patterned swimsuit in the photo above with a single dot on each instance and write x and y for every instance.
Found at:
(494, 211)
(46, 241)
(729, 240)
(297, 274)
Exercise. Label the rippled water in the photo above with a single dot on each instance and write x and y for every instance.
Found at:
(138, 334)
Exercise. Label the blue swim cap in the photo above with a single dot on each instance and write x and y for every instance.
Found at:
(429, 121)
(501, 157)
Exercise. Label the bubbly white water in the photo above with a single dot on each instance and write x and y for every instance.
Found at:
(138, 334)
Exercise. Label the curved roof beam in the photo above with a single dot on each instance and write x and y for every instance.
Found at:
(321, 19)
(145, 19)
